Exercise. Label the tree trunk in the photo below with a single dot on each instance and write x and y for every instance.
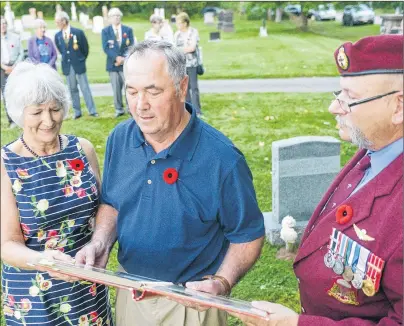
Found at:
(304, 21)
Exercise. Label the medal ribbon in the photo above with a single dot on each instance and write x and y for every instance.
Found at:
(375, 266)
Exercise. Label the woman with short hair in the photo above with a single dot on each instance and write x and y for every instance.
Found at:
(49, 197)
(40, 47)
(187, 39)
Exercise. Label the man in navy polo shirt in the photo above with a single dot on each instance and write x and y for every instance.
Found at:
(176, 194)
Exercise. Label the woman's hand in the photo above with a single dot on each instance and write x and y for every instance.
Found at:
(52, 255)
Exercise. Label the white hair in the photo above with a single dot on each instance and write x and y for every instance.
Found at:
(155, 17)
(114, 11)
(62, 15)
(39, 22)
(34, 84)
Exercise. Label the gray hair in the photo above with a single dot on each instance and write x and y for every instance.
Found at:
(62, 15)
(154, 18)
(39, 22)
(114, 11)
(176, 62)
(34, 84)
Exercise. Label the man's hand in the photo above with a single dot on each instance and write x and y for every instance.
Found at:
(278, 315)
(93, 254)
(7, 69)
(119, 61)
(214, 287)
(52, 255)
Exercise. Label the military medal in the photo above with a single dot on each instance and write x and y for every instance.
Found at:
(348, 274)
(375, 266)
(75, 45)
(127, 42)
(359, 268)
(329, 259)
(338, 267)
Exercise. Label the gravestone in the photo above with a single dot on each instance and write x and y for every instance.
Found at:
(159, 12)
(173, 19)
(84, 20)
(302, 170)
(28, 21)
(263, 29)
(209, 18)
(221, 19)
(9, 16)
(18, 28)
(228, 25)
(98, 24)
(32, 12)
(214, 36)
(105, 15)
(25, 35)
(58, 9)
(73, 12)
(391, 24)
(40, 14)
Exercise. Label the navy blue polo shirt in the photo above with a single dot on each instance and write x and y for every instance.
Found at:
(181, 231)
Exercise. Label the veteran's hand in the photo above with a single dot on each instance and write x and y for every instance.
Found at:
(93, 254)
(209, 286)
(52, 255)
(278, 315)
(8, 69)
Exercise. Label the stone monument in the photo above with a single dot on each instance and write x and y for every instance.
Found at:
(302, 170)
(73, 12)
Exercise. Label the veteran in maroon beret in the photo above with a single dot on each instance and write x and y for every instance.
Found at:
(349, 265)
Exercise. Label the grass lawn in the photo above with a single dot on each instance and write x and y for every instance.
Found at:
(286, 52)
(243, 119)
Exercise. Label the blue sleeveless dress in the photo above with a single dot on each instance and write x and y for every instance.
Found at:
(57, 199)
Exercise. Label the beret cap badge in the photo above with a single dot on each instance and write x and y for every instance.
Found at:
(342, 59)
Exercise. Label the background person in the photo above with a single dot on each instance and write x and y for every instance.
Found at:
(73, 46)
(116, 39)
(187, 38)
(41, 47)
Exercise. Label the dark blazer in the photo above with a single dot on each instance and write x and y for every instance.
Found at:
(76, 51)
(377, 208)
(33, 51)
(111, 48)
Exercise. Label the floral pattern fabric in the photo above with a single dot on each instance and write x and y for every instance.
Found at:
(57, 198)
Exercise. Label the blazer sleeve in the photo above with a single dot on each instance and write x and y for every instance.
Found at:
(84, 44)
(57, 43)
(105, 45)
(54, 54)
(31, 54)
(392, 283)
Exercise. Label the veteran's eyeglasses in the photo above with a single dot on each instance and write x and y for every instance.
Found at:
(346, 107)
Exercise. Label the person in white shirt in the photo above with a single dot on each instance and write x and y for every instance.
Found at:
(160, 31)
(12, 52)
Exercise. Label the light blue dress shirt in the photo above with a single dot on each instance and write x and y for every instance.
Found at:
(379, 160)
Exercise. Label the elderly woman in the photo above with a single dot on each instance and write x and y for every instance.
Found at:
(41, 47)
(187, 39)
(49, 197)
(160, 31)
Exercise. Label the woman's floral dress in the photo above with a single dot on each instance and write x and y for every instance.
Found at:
(57, 199)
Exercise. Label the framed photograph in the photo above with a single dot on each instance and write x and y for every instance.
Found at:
(143, 287)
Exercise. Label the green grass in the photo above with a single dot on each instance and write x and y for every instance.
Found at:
(286, 52)
(242, 117)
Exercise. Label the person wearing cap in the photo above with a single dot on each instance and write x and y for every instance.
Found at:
(349, 265)
(116, 39)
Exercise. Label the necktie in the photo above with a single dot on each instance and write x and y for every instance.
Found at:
(66, 38)
(117, 36)
(348, 184)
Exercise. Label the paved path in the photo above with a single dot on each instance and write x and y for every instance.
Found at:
(288, 85)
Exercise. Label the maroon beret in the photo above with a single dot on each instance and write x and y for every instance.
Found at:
(382, 54)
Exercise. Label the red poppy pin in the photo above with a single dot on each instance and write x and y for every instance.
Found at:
(12, 45)
(170, 175)
(76, 165)
(125, 35)
(46, 43)
(344, 214)
(71, 35)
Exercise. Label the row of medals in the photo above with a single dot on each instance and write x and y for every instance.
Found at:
(356, 279)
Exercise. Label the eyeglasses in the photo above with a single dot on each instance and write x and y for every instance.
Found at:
(346, 107)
